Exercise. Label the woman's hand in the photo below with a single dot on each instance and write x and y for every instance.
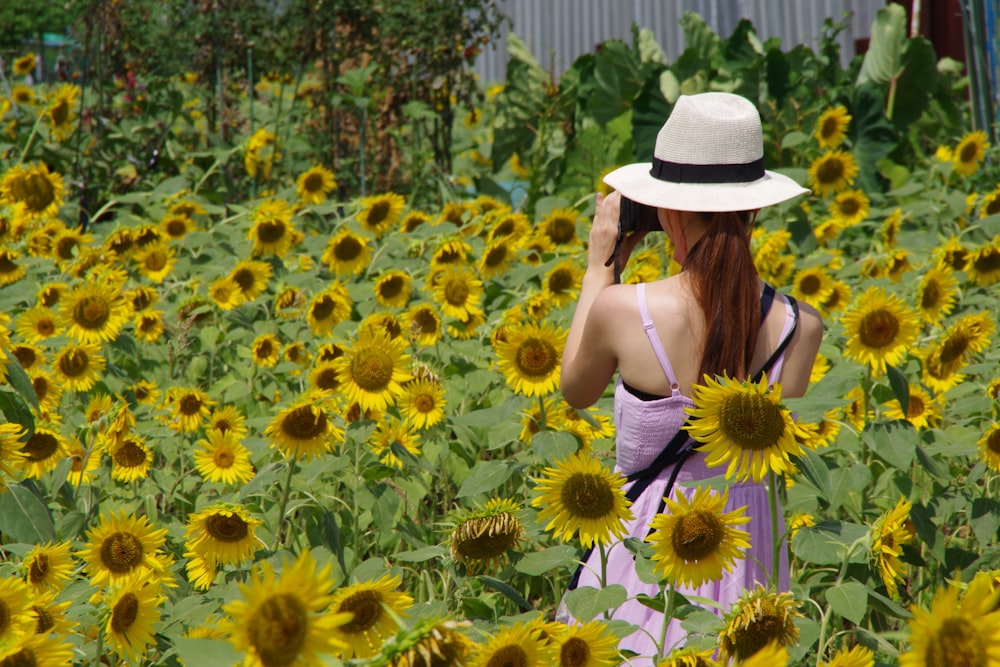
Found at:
(604, 234)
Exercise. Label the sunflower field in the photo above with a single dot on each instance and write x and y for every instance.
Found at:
(260, 408)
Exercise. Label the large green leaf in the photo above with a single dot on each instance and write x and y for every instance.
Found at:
(24, 516)
(587, 602)
(537, 563)
(894, 442)
(521, 104)
(618, 76)
(883, 61)
(874, 137)
(830, 543)
(485, 476)
(915, 84)
(848, 599)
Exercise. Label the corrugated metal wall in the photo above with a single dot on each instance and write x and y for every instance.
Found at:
(559, 31)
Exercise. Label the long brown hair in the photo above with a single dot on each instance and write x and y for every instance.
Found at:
(727, 289)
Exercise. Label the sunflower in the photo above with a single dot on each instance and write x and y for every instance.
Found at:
(131, 459)
(936, 293)
(850, 207)
(889, 533)
(832, 172)
(482, 537)
(221, 457)
(23, 96)
(48, 567)
(880, 330)
(922, 410)
(431, 641)
(225, 293)
(587, 425)
(589, 645)
(347, 253)
(11, 440)
(496, 259)
(581, 495)
(133, 604)
(155, 261)
(120, 544)
(389, 432)
(265, 350)
(60, 111)
(373, 369)
(422, 325)
(37, 324)
(510, 226)
(375, 606)
(35, 192)
(392, 288)
(758, 618)
(146, 392)
(983, 268)
(690, 657)
(538, 416)
(314, 184)
(422, 402)
(772, 655)
(458, 291)
(28, 355)
(94, 312)
(25, 64)
(68, 245)
(831, 128)
(813, 285)
(381, 212)
(83, 464)
(959, 628)
(10, 270)
(251, 278)
(149, 326)
(798, 521)
(990, 204)
(413, 220)
(50, 616)
(272, 232)
(560, 226)
(856, 656)
(260, 153)
(15, 609)
(449, 252)
(456, 213)
(79, 366)
(989, 446)
(518, 644)
(37, 650)
(562, 282)
(696, 541)
(304, 429)
(531, 358)
(745, 425)
(969, 152)
(328, 309)
(219, 535)
(969, 335)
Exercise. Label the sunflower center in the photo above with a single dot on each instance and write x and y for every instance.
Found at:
(59, 112)
(45, 620)
(957, 644)
(40, 446)
(327, 379)
(367, 609)
(766, 627)
(372, 369)
(278, 629)
(916, 407)
(878, 329)
(223, 458)
(993, 206)
(424, 403)
(378, 213)
(347, 249)
(561, 230)
(41, 386)
(969, 152)
(456, 292)
(751, 421)
(129, 455)
(536, 357)
(830, 127)
(322, 308)
(425, 322)
(245, 278)
(588, 495)
(264, 349)
(25, 355)
(65, 246)
(849, 206)
(38, 192)
(392, 287)
(303, 423)
(511, 655)
(486, 538)
(698, 534)
(953, 348)
(560, 281)
(313, 183)
(830, 170)
(189, 405)
(175, 227)
(121, 552)
(91, 312)
(575, 652)
(23, 658)
(124, 613)
(931, 295)
(45, 327)
(810, 284)
(227, 527)
(155, 260)
(271, 231)
(987, 261)
(7, 264)
(38, 569)
(496, 255)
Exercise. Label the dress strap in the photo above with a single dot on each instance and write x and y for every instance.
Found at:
(774, 363)
(654, 339)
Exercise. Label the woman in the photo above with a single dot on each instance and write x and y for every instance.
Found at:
(706, 182)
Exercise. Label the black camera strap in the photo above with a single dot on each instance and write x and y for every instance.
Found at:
(616, 255)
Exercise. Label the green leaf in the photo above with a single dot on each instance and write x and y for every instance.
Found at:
(552, 446)
(201, 652)
(894, 442)
(484, 477)
(619, 80)
(874, 136)
(900, 387)
(916, 83)
(984, 517)
(883, 61)
(537, 563)
(24, 517)
(885, 605)
(587, 603)
(16, 410)
(20, 381)
(830, 543)
(793, 139)
(508, 591)
(848, 599)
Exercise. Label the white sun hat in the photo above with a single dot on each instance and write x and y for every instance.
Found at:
(709, 156)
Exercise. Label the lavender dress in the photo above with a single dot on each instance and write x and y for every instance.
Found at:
(644, 424)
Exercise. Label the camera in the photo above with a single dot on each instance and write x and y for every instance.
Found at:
(636, 217)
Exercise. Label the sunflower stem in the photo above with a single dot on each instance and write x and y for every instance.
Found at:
(31, 138)
(776, 537)
(285, 492)
(542, 420)
(668, 615)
